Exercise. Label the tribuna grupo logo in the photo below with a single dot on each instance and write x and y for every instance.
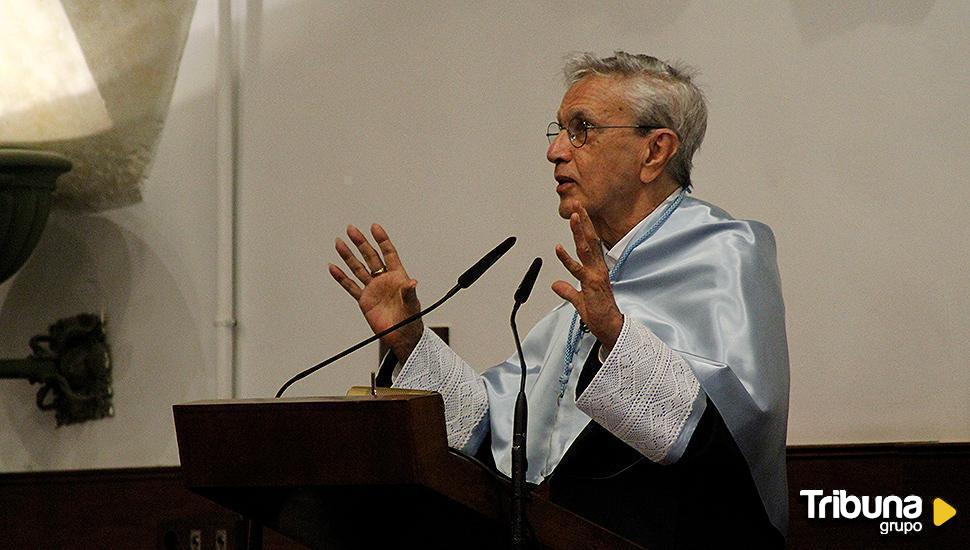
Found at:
(898, 514)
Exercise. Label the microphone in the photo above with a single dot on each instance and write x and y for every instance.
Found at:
(464, 281)
(525, 287)
(520, 461)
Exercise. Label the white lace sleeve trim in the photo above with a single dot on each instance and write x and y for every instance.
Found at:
(436, 367)
(643, 393)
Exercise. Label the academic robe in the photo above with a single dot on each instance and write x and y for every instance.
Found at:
(707, 285)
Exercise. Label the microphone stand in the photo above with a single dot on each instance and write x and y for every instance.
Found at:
(465, 280)
(454, 290)
(520, 461)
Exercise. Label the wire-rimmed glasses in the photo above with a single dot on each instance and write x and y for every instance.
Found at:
(578, 130)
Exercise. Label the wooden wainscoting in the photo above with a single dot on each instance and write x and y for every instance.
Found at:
(130, 509)
(149, 508)
(927, 470)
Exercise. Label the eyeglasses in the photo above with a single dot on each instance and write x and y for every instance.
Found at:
(578, 130)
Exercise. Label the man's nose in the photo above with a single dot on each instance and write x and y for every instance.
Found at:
(560, 150)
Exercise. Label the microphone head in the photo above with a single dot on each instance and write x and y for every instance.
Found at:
(529, 281)
(474, 272)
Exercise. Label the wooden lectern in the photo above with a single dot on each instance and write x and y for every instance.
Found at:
(359, 472)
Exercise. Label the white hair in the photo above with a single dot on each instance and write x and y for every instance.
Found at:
(660, 94)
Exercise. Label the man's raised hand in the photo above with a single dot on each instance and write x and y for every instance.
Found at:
(385, 294)
(594, 299)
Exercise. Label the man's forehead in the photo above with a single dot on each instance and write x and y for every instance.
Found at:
(592, 97)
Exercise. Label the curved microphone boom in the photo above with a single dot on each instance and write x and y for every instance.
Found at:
(520, 463)
(465, 280)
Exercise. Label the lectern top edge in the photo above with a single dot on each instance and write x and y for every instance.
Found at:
(417, 394)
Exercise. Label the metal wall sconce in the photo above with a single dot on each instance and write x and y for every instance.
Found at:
(27, 180)
(72, 361)
(87, 96)
(74, 367)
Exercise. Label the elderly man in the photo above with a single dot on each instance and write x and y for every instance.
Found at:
(658, 391)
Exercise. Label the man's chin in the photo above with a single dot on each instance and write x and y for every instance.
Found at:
(567, 205)
(565, 209)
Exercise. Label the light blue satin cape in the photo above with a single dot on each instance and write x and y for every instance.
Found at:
(708, 286)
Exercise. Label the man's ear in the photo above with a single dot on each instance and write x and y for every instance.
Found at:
(662, 144)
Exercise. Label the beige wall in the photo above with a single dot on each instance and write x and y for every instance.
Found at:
(843, 125)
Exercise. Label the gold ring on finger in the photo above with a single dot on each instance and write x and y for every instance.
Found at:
(376, 272)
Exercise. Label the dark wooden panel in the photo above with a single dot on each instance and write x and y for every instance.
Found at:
(926, 470)
(318, 468)
(137, 508)
(294, 442)
(134, 508)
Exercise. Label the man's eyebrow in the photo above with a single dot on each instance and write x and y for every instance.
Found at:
(578, 113)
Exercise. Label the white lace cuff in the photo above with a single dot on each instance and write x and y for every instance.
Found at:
(643, 393)
(436, 367)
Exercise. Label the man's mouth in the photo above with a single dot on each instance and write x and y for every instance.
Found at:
(564, 182)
